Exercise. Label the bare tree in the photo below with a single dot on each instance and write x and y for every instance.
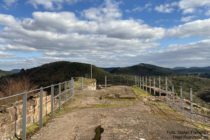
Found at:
(13, 86)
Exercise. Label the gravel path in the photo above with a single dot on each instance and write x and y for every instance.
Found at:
(123, 120)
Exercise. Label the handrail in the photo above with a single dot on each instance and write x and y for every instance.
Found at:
(30, 91)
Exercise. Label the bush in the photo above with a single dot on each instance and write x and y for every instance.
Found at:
(11, 86)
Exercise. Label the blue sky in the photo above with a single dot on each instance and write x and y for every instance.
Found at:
(106, 33)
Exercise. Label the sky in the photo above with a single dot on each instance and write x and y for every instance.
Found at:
(106, 33)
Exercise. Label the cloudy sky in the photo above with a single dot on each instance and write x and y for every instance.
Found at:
(106, 33)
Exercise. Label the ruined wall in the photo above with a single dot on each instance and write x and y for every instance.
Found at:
(11, 117)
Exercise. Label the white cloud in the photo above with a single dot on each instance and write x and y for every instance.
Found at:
(51, 4)
(193, 28)
(207, 13)
(187, 18)
(101, 36)
(192, 54)
(9, 3)
(166, 8)
(5, 55)
(7, 20)
(146, 7)
(190, 6)
(108, 11)
(88, 39)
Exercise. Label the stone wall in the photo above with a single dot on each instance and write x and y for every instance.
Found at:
(11, 117)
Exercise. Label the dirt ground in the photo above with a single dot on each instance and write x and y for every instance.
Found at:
(118, 113)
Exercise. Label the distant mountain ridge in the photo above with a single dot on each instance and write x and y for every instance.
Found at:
(58, 72)
(148, 69)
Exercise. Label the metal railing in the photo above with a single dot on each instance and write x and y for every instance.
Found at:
(176, 99)
(45, 99)
(163, 86)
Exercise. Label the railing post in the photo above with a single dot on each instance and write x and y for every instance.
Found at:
(24, 116)
(72, 86)
(191, 101)
(82, 83)
(140, 81)
(181, 96)
(166, 82)
(173, 94)
(154, 85)
(91, 71)
(69, 84)
(105, 81)
(40, 108)
(65, 90)
(150, 85)
(59, 95)
(52, 100)
(135, 80)
(159, 82)
(146, 84)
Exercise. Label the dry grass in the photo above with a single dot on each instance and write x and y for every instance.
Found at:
(13, 86)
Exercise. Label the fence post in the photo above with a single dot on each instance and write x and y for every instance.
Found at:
(166, 88)
(146, 84)
(154, 85)
(166, 80)
(191, 101)
(52, 100)
(181, 96)
(140, 81)
(65, 90)
(150, 85)
(72, 86)
(82, 83)
(135, 80)
(24, 116)
(159, 82)
(105, 81)
(91, 71)
(159, 85)
(173, 94)
(41, 108)
(59, 95)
